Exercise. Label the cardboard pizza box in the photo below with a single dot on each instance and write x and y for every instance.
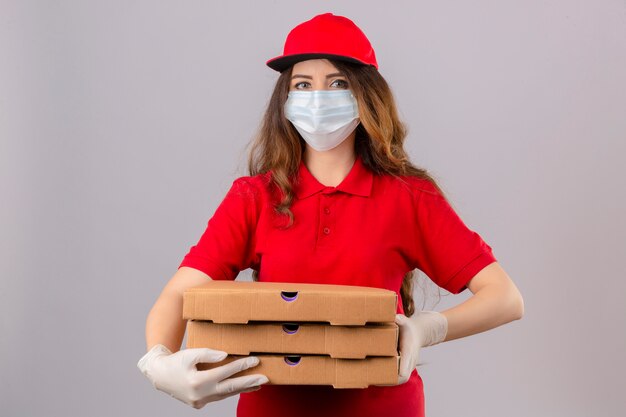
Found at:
(240, 302)
(354, 342)
(321, 370)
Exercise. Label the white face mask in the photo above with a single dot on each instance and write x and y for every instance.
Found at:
(324, 118)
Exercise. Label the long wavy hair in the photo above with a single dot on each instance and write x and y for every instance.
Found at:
(379, 142)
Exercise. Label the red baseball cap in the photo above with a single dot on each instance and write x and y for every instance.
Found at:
(325, 36)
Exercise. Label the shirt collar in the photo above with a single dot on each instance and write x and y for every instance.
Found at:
(358, 181)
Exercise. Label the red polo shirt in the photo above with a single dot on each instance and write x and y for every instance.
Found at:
(370, 230)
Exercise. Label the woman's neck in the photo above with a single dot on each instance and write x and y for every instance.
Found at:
(331, 167)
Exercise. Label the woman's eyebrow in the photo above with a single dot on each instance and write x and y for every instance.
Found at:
(335, 74)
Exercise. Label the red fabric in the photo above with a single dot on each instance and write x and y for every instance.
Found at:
(406, 400)
(318, 38)
(370, 230)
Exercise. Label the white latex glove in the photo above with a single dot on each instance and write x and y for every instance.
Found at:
(423, 328)
(176, 374)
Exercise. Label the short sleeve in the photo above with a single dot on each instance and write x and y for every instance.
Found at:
(227, 245)
(445, 248)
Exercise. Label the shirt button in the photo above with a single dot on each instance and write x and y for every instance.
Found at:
(326, 231)
(327, 210)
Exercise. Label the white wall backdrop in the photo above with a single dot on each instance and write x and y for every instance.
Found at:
(123, 123)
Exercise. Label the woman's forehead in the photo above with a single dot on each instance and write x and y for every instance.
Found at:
(314, 65)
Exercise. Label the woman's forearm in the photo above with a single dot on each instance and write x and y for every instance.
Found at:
(165, 324)
(496, 301)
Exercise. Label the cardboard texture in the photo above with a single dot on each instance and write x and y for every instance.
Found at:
(240, 302)
(336, 341)
(303, 334)
(321, 370)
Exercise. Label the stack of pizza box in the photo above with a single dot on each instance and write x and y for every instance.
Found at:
(303, 334)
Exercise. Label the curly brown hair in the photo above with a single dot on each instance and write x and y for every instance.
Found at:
(379, 142)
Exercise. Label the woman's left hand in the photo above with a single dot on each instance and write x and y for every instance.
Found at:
(423, 328)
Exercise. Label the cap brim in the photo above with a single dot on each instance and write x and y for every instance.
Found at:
(281, 63)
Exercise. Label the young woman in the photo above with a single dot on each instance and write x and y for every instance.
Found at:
(331, 198)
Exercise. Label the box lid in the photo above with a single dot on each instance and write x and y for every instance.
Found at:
(321, 370)
(240, 302)
(291, 338)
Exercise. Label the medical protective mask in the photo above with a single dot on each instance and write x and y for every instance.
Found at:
(324, 118)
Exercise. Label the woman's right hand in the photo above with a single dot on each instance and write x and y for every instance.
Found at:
(177, 375)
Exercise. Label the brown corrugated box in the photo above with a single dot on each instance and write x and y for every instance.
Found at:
(322, 370)
(355, 342)
(244, 318)
(240, 302)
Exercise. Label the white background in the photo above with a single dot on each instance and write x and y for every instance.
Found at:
(123, 123)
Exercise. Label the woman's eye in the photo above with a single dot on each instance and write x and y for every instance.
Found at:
(339, 83)
(301, 84)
